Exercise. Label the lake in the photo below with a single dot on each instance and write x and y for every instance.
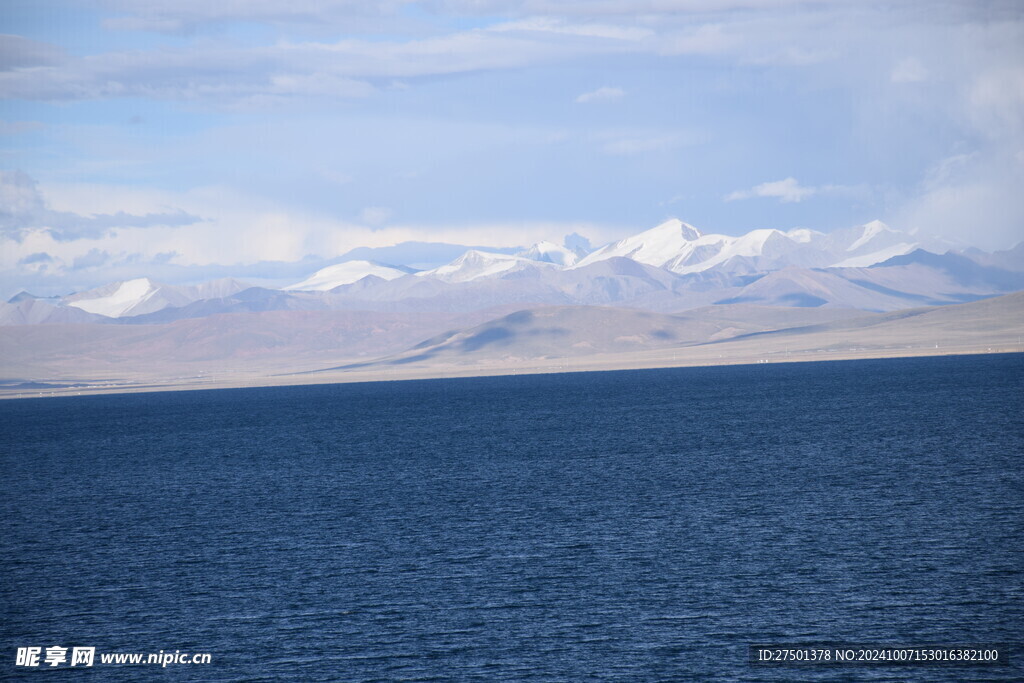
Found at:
(632, 525)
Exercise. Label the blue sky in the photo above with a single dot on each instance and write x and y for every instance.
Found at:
(189, 139)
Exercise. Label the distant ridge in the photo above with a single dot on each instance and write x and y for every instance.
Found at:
(668, 268)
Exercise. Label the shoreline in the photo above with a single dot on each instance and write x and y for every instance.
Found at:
(648, 360)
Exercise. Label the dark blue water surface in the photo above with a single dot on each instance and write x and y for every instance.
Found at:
(638, 525)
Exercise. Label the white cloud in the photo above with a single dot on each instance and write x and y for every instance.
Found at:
(602, 94)
(591, 30)
(629, 141)
(23, 211)
(707, 39)
(969, 199)
(226, 71)
(375, 215)
(179, 16)
(335, 177)
(94, 258)
(973, 196)
(238, 231)
(792, 55)
(21, 52)
(786, 190)
(19, 127)
(613, 7)
(347, 68)
(203, 72)
(789, 190)
(983, 77)
(630, 146)
(909, 70)
(996, 105)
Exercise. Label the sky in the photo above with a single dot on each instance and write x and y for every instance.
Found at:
(187, 139)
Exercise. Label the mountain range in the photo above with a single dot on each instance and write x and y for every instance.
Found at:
(665, 288)
(668, 268)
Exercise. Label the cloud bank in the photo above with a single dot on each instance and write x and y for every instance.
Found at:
(24, 211)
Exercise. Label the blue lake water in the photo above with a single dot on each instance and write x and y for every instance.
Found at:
(636, 525)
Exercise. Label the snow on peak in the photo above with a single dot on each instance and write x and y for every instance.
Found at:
(871, 231)
(655, 247)
(673, 227)
(215, 289)
(714, 250)
(879, 256)
(475, 264)
(802, 235)
(345, 273)
(752, 243)
(681, 248)
(549, 252)
(127, 295)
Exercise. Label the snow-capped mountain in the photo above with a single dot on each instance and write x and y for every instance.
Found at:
(142, 295)
(131, 297)
(215, 289)
(475, 265)
(683, 249)
(757, 251)
(549, 252)
(25, 309)
(869, 233)
(670, 267)
(345, 273)
(866, 260)
(865, 245)
(655, 247)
